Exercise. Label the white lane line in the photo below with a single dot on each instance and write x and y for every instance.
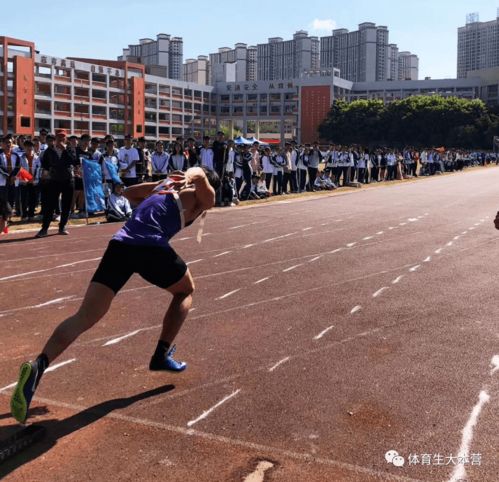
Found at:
(420, 217)
(355, 309)
(315, 259)
(195, 261)
(414, 268)
(277, 237)
(124, 337)
(459, 472)
(77, 262)
(258, 475)
(350, 245)
(456, 237)
(41, 305)
(337, 250)
(19, 275)
(323, 332)
(391, 227)
(380, 232)
(412, 220)
(439, 250)
(471, 228)
(59, 365)
(476, 224)
(427, 260)
(397, 280)
(184, 239)
(495, 364)
(450, 243)
(377, 293)
(207, 412)
(367, 238)
(275, 452)
(12, 385)
(464, 232)
(48, 370)
(222, 254)
(261, 280)
(426, 214)
(280, 362)
(248, 246)
(307, 229)
(291, 268)
(226, 295)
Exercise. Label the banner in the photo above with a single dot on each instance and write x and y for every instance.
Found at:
(92, 182)
(113, 172)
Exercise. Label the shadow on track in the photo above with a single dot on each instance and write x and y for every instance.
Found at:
(57, 429)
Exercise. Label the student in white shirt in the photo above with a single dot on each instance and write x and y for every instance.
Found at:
(29, 189)
(159, 162)
(178, 160)
(268, 167)
(261, 187)
(118, 206)
(231, 156)
(292, 156)
(279, 161)
(107, 160)
(206, 154)
(128, 156)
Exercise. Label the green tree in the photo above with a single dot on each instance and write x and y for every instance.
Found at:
(420, 121)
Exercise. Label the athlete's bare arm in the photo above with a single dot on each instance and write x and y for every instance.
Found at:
(205, 194)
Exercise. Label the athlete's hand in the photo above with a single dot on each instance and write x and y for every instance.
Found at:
(496, 221)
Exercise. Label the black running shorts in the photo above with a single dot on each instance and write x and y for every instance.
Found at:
(162, 267)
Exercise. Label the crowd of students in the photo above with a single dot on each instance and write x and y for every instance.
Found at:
(45, 171)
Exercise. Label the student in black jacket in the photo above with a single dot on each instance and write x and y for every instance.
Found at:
(58, 176)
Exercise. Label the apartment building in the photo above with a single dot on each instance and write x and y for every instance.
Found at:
(233, 65)
(197, 70)
(162, 57)
(287, 59)
(477, 45)
(361, 56)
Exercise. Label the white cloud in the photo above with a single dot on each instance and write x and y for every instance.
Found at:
(323, 24)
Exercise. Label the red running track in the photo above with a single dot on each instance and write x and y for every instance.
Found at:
(325, 332)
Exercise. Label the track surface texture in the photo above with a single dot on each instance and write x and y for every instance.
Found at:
(325, 332)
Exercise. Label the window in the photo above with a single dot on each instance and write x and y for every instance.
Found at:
(99, 126)
(25, 121)
(138, 128)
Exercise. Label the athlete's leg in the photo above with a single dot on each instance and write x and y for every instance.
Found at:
(179, 308)
(94, 306)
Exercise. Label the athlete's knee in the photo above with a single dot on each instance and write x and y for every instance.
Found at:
(188, 289)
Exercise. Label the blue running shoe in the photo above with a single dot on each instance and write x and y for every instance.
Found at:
(167, 363)
(29, 376)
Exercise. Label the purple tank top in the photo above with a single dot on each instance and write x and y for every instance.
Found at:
(154, 222)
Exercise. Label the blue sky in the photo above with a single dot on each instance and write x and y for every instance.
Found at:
(100, 29)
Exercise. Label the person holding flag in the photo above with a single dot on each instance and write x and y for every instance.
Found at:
(109, 164)
(141, 245)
